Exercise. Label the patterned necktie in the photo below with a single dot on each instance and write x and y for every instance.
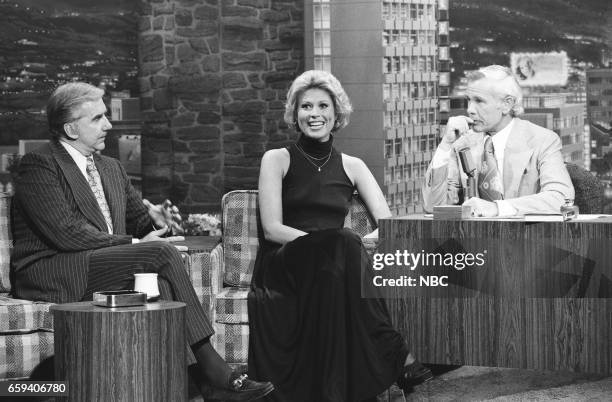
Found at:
(93, 177)
(489, 180)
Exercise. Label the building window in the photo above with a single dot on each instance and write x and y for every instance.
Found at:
(432, 142)
(408, 197)
(406, 117)
(394, 10)
(423, 143)
(321, 17)
(399, 199)
(404, 91)
(386, 10)
(387, 66)
(407, 172)
(414, 90)
(405, 64)
(385, 38)
(443, 27)
(413, 37)
(322, 43)
(420, 10)
(443, 53)
(386, 92)
(429, 12)
(413, 11)
(388, 149)
(404, 11)
(322, 63)
(398, 146)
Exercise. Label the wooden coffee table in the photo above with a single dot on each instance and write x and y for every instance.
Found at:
(121, 353)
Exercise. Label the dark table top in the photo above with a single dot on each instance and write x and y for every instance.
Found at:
(87, 306)
(199, 244)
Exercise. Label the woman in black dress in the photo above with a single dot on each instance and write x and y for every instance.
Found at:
(311, 332)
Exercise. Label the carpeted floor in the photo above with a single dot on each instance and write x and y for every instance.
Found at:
(469, 383)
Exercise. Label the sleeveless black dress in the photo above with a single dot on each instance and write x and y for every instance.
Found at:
(311, 333)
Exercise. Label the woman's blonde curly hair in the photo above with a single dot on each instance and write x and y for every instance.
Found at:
(321, 80)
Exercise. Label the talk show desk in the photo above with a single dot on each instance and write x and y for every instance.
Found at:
(541, 299)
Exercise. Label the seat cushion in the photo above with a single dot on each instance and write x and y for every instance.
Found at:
(240, 236)
(21, 353)
(231, 306)
(18, 315)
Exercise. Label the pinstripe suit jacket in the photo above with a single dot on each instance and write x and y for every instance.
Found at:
(57, 221)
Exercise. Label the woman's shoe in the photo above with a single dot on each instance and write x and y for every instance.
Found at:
(239, 388)
(414, 374)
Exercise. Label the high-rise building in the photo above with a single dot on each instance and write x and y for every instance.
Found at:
(599, 113)
(392, 58)
(599, 96)
(551, 110)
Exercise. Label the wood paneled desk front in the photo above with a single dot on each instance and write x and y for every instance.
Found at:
(533, 295)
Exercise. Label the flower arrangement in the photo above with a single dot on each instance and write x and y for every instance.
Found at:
(202, 225)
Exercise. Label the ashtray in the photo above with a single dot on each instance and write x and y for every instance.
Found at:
(119, 298)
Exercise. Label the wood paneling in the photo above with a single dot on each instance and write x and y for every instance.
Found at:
(121, 354)
(502, 324)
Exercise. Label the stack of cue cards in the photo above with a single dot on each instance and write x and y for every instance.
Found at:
(452, 212)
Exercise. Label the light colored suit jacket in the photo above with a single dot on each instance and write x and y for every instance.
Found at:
(534, 175)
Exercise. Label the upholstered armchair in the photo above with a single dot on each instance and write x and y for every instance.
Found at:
(233, 261)
(589, 190)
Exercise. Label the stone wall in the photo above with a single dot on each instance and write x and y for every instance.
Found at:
(214, 76)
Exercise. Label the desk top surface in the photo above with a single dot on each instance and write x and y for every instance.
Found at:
(87, 306)
(596, 218)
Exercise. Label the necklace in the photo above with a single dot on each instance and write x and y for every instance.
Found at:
(311, 159)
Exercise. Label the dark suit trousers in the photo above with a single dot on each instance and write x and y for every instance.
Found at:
(113, 268)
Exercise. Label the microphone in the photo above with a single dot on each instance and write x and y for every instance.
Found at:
(467, 163)
(469, 167)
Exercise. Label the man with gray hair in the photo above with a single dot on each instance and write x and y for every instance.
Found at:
(518, 165)
(80, 227)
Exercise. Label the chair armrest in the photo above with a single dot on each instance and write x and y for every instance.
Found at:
(217, 269)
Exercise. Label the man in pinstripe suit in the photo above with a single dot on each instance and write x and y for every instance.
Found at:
(79, 227)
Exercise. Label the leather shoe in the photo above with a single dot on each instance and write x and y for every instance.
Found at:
(414, 374)
(238, 388)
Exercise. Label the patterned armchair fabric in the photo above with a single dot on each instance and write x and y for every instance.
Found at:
(589, 190)
(26, 336)
(234, 259)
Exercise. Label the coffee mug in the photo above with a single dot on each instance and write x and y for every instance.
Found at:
(147, 283)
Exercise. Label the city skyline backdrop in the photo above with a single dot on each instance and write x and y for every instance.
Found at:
(48, 43)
